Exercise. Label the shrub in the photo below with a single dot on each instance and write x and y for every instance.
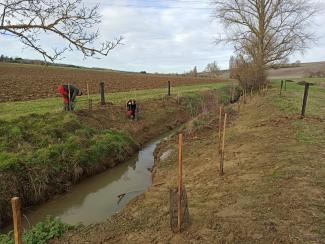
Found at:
(43, 232)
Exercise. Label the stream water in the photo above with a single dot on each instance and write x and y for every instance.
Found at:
(95, 199)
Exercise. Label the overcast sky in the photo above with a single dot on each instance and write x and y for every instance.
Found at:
(159, 36)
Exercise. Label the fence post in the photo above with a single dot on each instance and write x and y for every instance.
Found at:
(16, 212)
(102, 93)
(168, 88)
(180, 181)
(244, 95)
(281, 87)
(304, 102)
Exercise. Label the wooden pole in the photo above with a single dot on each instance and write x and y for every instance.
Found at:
(220, 125)
(89, 100)
(180, 181)
(223, 145)
(69, 101)
(16, 212)
(102, 93)
(88, 91)
(245, 96)
(232, 94)
(304, 102)
(168, 88)
(281, 87)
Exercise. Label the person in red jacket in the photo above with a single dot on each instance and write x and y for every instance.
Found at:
(65, 91)
(131, 109)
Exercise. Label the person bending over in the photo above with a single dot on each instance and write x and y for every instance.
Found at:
(131, 109)
(69, 94)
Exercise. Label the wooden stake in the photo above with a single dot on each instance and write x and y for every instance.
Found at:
(251, 93)
(220, 125)
(232, 94)
(69, 96)
(281, 87)
(180, 180)
(245, 96)
(223, 145)
(88, 91)
(89, 100)
(16, 213)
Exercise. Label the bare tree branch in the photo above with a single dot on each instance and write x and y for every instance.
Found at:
(68, 19)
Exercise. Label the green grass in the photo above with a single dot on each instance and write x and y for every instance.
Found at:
(12, 110)
(41, 233)
(59, 140)
(40, 152)
(310, 130)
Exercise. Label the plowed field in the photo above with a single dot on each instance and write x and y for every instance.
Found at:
(27, 82)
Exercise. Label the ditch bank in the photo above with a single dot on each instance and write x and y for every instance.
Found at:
(146, 218)
(42, 156)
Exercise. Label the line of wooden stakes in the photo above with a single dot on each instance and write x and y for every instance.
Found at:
(223, 117)
(222, 123)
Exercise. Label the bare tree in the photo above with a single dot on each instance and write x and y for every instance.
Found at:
(246, 72)
(266, 32)
(213, 69)
(68, 19)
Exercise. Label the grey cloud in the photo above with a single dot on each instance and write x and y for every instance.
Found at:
(173, 38)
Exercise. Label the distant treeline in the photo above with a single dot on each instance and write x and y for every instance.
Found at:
(18, 60)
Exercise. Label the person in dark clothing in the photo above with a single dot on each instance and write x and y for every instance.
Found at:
(131, 109)
(69, 94)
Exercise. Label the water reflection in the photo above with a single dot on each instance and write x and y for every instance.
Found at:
(95, 199)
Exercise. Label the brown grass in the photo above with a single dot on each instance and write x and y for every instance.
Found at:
(269, 193)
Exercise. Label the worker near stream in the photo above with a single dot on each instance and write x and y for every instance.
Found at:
(69, 94)
(131, 107)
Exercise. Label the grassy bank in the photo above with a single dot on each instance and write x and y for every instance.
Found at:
(309, 130)
(42, 155)
(272, 191)
(12, 110)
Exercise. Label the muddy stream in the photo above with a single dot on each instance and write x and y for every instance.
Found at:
(97, 198)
